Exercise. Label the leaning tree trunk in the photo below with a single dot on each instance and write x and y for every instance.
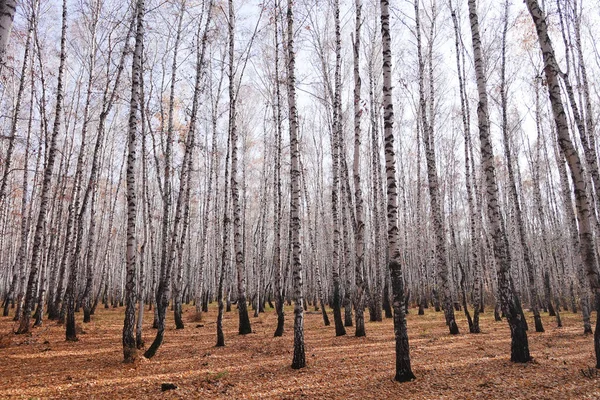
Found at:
(582, 203)
(403, 370)
(508, 299)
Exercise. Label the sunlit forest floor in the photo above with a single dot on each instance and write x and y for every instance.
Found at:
(466, 366)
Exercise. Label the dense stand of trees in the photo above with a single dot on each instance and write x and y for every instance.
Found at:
(348, 156)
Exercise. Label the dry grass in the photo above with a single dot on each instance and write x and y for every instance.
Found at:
(466, 366)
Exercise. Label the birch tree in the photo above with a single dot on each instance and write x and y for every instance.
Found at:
(129, 342)
(508, 299)
(403, 369)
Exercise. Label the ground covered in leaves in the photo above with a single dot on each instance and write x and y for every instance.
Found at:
(257, 365)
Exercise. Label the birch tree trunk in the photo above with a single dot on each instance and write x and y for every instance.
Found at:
(7, 15)
(299, 360)
(512, 186)
(403, 370)
(434, 195)
(22, 251)
(277, 188)
(473, 215)
(129, 342)
(335, 156)
(582, 203)
(359, 232)
(508, 299)
(168, 242)
(244, 320)
(46, 184)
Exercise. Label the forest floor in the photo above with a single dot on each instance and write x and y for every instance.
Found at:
(257, 365)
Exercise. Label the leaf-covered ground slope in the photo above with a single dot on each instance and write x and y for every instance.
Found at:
(466, 366)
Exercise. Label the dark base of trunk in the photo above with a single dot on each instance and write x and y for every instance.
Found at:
(337, 312)
(205, 302)
(299, 359)
(151, 352)
(177, 313)
(475, 328)
(469, 320)
(347, 313)
(403, 370)
(71, 332)
(139, 341)
(519, 346)
(87, 315)
(404, 376)
(551, 311)
(129, 354)
(324, 312)
(387, 307)
(280, 321)
(597, 335)
(497, 316)
(337, 319)
(453, 328)
(359, 313)
(244, 320)
(539, 327)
